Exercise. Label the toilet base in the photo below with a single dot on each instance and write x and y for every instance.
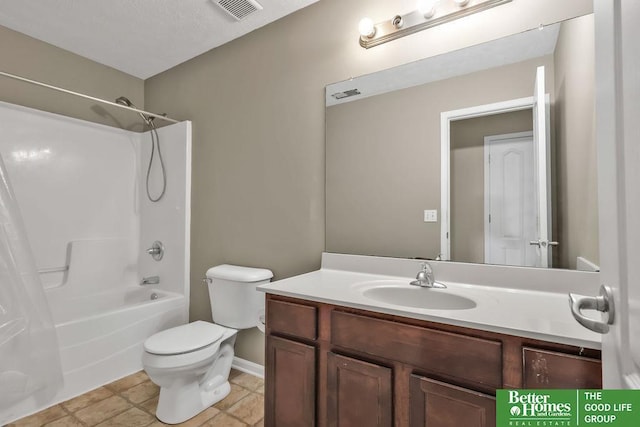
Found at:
(186, 395)
(177, 405)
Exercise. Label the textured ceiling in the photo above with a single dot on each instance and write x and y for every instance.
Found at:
(138, 37)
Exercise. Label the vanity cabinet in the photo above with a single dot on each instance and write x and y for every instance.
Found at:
(329, 365)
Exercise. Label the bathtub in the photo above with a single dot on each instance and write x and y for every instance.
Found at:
(101, 334)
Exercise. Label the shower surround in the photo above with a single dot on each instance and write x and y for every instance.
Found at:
(80, 189)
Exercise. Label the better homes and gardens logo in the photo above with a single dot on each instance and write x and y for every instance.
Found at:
(538, 408)
(546, 408)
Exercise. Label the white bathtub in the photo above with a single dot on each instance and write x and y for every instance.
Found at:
(101, 335)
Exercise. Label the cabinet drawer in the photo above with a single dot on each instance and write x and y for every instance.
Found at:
(550, 369)
(293, 319)
(468, 359)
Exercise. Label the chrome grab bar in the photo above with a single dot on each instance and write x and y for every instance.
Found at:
(53, 270)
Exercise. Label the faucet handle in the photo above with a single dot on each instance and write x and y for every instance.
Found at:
(156, 250)
(425, 277)
(426, 267)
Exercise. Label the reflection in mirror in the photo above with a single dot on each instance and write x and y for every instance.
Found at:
(473, 195)
(513, 225)
(384, 156)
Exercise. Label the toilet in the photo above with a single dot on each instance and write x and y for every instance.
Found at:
(191, 362)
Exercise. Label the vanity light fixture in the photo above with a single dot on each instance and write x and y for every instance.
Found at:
(427, 8)
(366, 28)
(428, 13)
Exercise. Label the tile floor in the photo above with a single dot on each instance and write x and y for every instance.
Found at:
(131, 402)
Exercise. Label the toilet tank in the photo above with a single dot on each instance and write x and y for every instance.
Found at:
(235, 302)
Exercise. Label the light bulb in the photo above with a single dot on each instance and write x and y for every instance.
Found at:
(366, 28)
(397, 22)
(427, 8)
(461, 3)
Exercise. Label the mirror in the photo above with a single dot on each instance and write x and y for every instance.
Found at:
(393, 190)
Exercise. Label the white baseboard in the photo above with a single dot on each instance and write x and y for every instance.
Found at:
(248, 367)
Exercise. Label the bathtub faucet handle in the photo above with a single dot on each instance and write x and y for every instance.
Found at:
(152, 280)
(156, 250)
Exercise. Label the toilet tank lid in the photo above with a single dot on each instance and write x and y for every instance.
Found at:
(238, 273)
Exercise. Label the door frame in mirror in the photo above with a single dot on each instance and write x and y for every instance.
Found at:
(446, 118)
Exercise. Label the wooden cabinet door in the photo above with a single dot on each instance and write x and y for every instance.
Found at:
(290, 375)
(437, 404)
(358, 393)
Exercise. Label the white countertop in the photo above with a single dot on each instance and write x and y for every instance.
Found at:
(534, 314)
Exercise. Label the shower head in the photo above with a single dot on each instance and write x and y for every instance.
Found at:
(123, 100)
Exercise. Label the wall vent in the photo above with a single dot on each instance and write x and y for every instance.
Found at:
(239, 9)
(346, 93)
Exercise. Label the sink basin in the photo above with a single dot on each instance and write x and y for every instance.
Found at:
(417, 297)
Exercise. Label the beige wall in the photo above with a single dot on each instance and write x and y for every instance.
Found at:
(36, 60)
(467, 178)
(577, 185)
(383, 160)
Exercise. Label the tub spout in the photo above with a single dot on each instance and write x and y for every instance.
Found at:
(152, 280)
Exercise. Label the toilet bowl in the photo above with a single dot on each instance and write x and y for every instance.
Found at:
(191, 362)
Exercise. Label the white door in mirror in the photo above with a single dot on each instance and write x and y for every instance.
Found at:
(510, 200)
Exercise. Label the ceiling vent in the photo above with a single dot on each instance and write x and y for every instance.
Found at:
(239, 9)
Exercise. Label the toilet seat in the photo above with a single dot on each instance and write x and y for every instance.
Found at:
(184, 360)
(184, 338)
(161, 353)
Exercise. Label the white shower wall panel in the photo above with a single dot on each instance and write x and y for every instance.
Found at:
(74, 181)
(167, 220)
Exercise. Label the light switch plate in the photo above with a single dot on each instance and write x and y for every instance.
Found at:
(431, 215)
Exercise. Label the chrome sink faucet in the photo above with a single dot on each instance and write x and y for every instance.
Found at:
(152, 280)
(425, 278)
